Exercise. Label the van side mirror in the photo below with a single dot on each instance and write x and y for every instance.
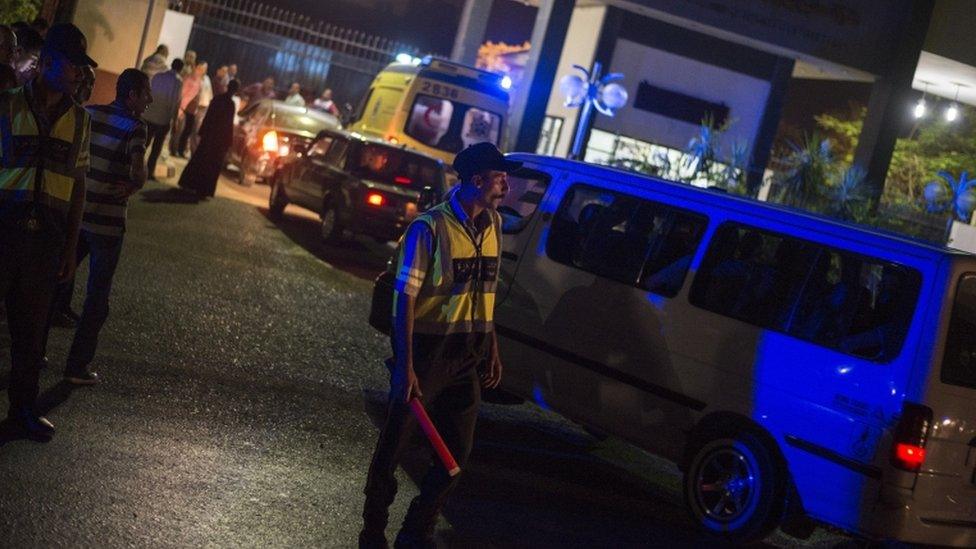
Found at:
(428, 198)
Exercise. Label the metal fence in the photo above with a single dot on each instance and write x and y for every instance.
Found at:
(268, 41)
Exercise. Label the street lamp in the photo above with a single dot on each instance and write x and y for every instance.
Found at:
(591, 92)
(952, 112)
(920, 107)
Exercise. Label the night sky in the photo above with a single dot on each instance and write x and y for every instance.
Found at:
(428, 24)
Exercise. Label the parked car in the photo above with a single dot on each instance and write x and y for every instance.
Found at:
(267, 131)
(357, 184)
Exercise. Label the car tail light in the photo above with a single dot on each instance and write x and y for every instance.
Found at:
(283, 150)
(375, 199)
(270, 141)
(911, 433)
(401, 180)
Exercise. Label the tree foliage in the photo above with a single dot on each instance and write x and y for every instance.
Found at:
(12, 11)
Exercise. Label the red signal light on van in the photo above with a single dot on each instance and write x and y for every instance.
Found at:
(375, 199)
(909, 455)
(911, 434)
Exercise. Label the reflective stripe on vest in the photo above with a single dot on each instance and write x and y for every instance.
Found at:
(458, 294)
(23, 151)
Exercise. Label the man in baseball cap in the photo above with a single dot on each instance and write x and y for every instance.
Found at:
(67, 40)
(482, 157)
(41, 204)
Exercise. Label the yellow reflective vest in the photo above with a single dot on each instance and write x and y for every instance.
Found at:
(32, 161)
(458, 293)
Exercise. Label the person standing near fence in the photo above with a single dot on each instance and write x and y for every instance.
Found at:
(42, 198)
(216, 135)
(118, 140)
(167, 91)
(188, 109)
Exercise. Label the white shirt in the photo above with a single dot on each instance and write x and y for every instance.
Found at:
(296, 100)
(206, 92)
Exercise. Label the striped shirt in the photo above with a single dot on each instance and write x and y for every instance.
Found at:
(115, 136)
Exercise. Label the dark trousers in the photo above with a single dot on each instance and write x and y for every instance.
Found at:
(103, 253)
(452, 400)
(157, 134)
(189, 127)
(29, 264)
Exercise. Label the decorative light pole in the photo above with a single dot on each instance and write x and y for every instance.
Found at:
(590, 93)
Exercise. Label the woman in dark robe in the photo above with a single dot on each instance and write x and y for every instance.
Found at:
(216, 134)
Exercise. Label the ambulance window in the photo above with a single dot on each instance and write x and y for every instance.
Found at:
(525, 190)
(959, 363)
(450, 125)
(625, 238)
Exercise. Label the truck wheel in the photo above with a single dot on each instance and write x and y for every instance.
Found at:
(330, 229)
(276, 201)
(735, 488)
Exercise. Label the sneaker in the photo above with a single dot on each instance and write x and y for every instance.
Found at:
(81, 377)
(31, 425)
(62, 320)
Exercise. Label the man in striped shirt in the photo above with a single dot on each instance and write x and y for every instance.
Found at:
(118, 145)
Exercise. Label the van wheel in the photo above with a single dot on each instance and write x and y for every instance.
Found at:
(330, 229)
(735, 488)
(276, 201)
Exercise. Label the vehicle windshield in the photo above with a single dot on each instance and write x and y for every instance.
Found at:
(397, 167)
(308, 122)
(959, 364)
(450, 125)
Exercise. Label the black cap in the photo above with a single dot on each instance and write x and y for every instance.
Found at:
(69, 41)
(480, 157)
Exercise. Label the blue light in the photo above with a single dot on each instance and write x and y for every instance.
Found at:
(507, 82)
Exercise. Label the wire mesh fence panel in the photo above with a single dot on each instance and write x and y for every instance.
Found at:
(289, 47)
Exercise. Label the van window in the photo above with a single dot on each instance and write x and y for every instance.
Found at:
(625, 238)
(855, 304)
(396, 166)
(525, 190)
(337, 152)
(959, 363)
(451, 125)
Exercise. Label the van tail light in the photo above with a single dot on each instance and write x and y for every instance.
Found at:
(911, 433)
(270, 142)
(401, 180)
(375, 199)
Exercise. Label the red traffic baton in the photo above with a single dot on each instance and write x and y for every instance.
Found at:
(434, 437)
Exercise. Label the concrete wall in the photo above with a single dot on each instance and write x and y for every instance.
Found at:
(745, 96)
(580, 47)
(114, 30)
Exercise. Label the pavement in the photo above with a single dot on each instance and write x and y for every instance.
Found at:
(242, 395)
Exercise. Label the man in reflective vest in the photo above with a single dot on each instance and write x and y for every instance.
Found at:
(44, 148)
(443, 338)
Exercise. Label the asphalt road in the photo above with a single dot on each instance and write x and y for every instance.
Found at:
(242, 395)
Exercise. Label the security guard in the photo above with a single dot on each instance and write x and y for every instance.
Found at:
(443, 338)
(44, 147)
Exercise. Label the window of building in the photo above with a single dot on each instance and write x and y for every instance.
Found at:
(855, 304)
(959, 364)
(450, 125)
(552, 128)
(525, 191)
(644, 157)
(625, 238)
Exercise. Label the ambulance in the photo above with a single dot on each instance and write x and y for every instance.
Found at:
(434, 106)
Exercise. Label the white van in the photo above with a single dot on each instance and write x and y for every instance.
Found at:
(792, 366)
